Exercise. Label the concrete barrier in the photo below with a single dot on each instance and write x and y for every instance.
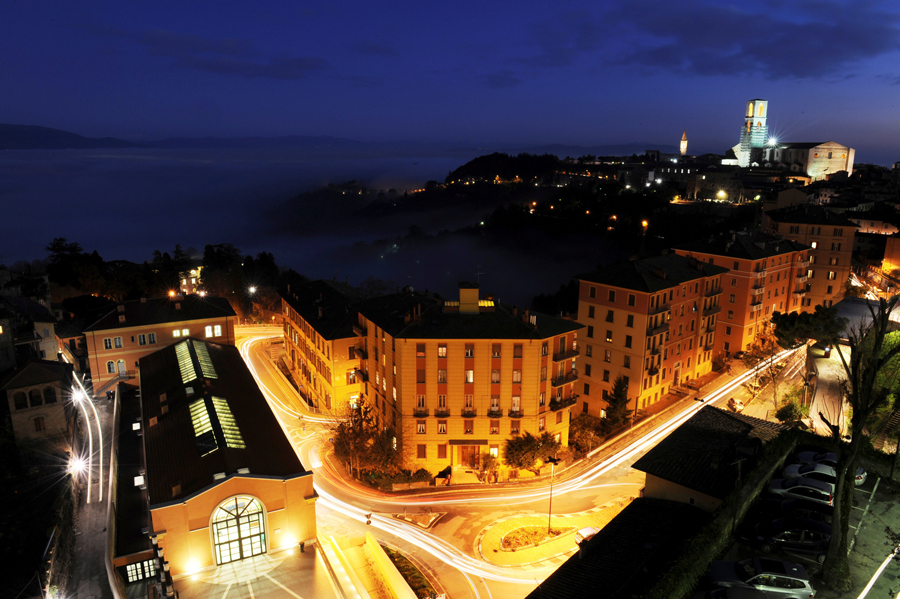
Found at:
(387, 571)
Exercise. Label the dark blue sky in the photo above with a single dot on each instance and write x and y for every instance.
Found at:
(572, 72)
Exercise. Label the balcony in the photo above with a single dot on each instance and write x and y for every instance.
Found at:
(802, 278)
(799, 292)
(653, 370)
(803, 264)
(658, 309)
(708, 347)
(566, 378)
(758, 274)
(712, 310)
(566, 354)
(360, 330)
(361, 376)
(468, 412)
(442, 412)
(713, 292)
(559, 404)
(655, 351)
(663, 328)
(520, 413)
(495, 412)
(756, 307)
(361, 353)
(758, 290)
(421, 412)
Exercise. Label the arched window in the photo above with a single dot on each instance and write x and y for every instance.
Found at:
(239, 529)
(749, 125)
(110, 367)
(759, 112)
(749, 109)
(34, 397)
(49, 395)
(758, 125)
(21, 400)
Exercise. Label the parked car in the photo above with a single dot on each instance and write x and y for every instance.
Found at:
(809, 510)
(783, 580)
(802, 488)
(735, 405)
(828, 458)
(794, 535)
(819, 471)
(739, 355)
(735, 593)
(585, 534)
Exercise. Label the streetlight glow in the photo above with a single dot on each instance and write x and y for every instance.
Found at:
(252, 289)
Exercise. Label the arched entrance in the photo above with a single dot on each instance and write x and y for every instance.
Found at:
(238, 529)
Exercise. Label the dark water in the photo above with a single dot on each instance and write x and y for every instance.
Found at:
(127, 203)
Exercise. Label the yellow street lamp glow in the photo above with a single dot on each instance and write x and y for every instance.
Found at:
(644, 224)
(721, 195)
(171, 294)
(252, 289)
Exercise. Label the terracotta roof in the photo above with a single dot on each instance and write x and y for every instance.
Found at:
(389, 312)
(748, 245)
(36, 372)
(809, 214)
(653, 274)
(184, 450)
(628, 555)
(702, 454)
(161, 310)
(335, 300)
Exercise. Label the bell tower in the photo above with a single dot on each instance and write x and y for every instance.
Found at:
(755, 132)
(684, 143)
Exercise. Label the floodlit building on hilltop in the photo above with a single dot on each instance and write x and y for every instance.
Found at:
(133, 329)
(830, 238)
(206, 475)
(457, 378)
(651, 321)
(767, 274)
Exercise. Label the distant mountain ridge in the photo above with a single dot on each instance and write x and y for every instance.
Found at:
(31, 137)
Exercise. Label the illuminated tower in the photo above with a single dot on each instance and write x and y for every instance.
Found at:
(755, 132)
(684, 143)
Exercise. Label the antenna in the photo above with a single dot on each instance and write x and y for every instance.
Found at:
(478, 274)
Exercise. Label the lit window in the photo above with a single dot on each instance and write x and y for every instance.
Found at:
(209, 332)
(118, 341)
(185, 332)
(542, 423)
(176, 333)
(420, 427)
(142, 339)
(442, 427)
(517, 376)
(217, 330)
(442, 350)
(470, 376)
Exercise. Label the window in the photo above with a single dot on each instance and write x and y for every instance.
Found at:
(559, 416)
(495, 403)
(543, 373)
(517, 350)
(209, 332)
(110, 367)
(442, 350)
(470, 401)
(420, 401)
(49, 395)
(495, 375)
(627, 340)
(107, 344)
(835, 247)
(420, 451)
(516, 403)
(630, 299)
(607, 356)
(587, 389)
(442, 401)
(629, 321)
(610, 316)
(185, 332)
(495, 427)
(609, 336)
(543, 399)
(442, 452)
(470, 351)
(542, 422)
(727, 330)
(730, 315)
(590, 332)
(814, 244)
(420, 427)
(589, 351)
(514, 427)
(731, 298)
(587, 370)
(217, 330)
(626, 362)
(734, 282)
(837, 232)
(469, 427)
(829, 290)
(442, 375)
(142, 339)
(470, 376)
(592, 292)
(590, 311)
(605, 376)
(495, 350)
(517, 376)
(39, 424)
(611, 296)
(442, 427)
(834, 262)
(544, 348)
(420, 350)
(151, 337)
(831, 275)
(21, 401)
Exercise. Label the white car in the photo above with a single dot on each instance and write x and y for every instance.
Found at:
(585, 534)
(820, 472)
(828, 458)
(803, 488)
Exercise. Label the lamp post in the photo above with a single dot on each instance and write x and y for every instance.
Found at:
(553, 463)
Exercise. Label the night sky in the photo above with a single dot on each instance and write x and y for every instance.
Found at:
(582, 73)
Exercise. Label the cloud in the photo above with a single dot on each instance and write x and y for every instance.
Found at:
(499, 80)
(225, 56)
(705, 37)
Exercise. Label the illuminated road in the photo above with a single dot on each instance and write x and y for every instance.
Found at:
(347, 503)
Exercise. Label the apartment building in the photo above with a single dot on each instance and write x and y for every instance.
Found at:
(830, 238)
(133, 329)
(767, 274)
(651, 321)
(457, 378)
(321, 347)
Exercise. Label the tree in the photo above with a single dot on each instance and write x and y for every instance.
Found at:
(851, 290)
(525, 451)
(617, 403)
(764, 349)
(585, 431)
(353, 429)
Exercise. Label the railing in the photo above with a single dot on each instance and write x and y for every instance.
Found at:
(662, 328)
(655, 351)
(360, 330)
(516, 413)
(121, 376)
(567, 377)
(495, 413)
(756, 307)
(800, 292)
(468, 412)
(758, 274)
(559, 404)
(442, 412)
(565, 354)
(803, 263)
(361, 353)
(421, 412)
(802, 278)
(659, 308)
(757, 290)
(714, 291)
(653, 370)
(712, 310)
(361, 376)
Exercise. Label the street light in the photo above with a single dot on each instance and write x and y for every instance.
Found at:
(252, 290)
(553, 463)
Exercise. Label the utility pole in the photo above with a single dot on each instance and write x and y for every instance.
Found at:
(553, 463)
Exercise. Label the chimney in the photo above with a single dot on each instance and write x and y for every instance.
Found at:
(468, 298)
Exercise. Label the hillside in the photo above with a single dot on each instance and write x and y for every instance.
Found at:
(28, 137)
